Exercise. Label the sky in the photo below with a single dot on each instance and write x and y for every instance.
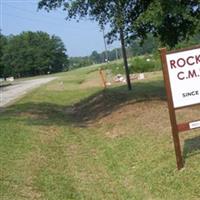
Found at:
(80, 38)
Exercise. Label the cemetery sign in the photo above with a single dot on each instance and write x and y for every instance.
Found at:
(181, 71)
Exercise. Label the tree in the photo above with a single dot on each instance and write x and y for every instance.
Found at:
(77, 62)
(59, 59)
(172, 21)
(195, 40)
(3, 42)
(95, 57)
(33, 53)
(102, 11)
(147, 46)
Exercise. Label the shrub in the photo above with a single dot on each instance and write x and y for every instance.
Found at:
(144, 64)
(115, 67)
(136, 65)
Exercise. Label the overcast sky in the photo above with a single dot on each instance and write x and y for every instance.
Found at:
(80, 38)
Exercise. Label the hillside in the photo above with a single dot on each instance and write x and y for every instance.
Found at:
(70, 139)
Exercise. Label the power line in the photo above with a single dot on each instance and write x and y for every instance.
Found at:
(18, 1)
(23, 18)
(39, 20)
(55, 22)
(30, 12)
(35, 19)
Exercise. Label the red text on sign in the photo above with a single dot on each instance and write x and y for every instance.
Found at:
(182, 62)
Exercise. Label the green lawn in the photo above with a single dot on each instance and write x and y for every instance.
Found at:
(72, 140)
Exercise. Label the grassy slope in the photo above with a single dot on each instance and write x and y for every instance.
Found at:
(71, 140)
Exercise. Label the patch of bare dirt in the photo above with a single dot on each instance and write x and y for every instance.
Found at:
(188, 114)
(150, 117)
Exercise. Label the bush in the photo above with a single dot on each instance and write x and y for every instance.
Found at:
(136, 65)
(115, 67)
(144, 64)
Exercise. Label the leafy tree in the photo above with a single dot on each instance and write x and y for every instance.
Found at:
(59, 59)
(147, 46)
(77, 62)
(172, 21)
(195, 40)
(3, 42)
(95, 57)
(34, 53)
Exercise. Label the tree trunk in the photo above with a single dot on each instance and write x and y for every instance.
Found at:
(125, 59)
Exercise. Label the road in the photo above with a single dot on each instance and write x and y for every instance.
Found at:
(9, 94)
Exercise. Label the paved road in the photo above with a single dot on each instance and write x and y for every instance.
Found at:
(10, 93)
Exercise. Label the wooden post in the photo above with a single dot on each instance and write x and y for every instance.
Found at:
(102, 77)
(172, 114)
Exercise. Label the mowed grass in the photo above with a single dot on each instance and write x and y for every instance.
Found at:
(71, 140)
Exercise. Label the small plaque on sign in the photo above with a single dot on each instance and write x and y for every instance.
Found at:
(194, 125)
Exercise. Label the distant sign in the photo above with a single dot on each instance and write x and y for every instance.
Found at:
(184, 75)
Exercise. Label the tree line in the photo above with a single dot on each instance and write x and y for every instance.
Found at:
(137, 47)
(31, 54)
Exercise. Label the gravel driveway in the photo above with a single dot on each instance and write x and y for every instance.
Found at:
(10, 93)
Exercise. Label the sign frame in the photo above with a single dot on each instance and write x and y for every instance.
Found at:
(176, 128)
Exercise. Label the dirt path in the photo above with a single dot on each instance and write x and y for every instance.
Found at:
(10, 93)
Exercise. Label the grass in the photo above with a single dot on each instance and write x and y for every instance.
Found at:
(71, 140)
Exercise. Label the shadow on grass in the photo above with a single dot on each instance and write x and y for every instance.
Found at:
(91, 108)
(191, 147)
(3, 85)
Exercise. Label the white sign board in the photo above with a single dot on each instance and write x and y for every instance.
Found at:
(194, 125)
(184, 75)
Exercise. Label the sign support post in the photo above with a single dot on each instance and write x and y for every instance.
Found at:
(102, 77)
(172, 114)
